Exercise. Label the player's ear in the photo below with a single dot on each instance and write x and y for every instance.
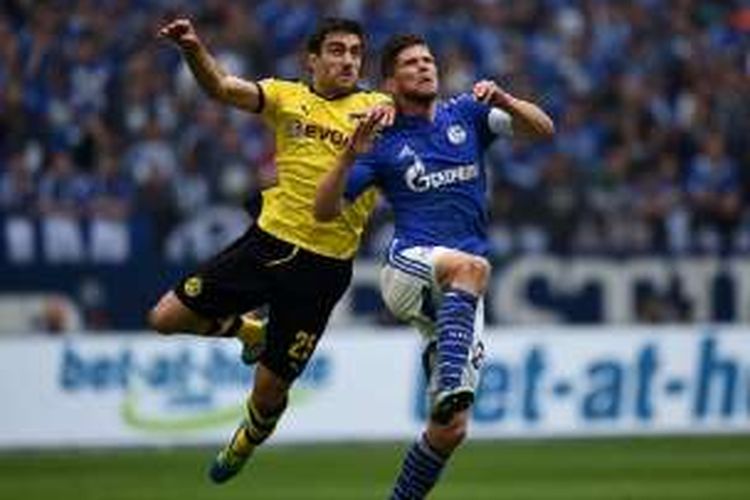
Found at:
(311, 61)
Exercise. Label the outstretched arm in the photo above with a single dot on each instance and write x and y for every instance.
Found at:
(329, 200)
(528, 119)
(212, 78)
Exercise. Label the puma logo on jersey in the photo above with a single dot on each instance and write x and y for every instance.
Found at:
(299, 129)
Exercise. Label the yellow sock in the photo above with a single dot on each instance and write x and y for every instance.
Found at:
(258, 426)
(240, 444)
(252, 331)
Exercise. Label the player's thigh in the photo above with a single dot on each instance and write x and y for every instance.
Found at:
(410, 298)
(171, 315)
(300, 307)
(409, 288)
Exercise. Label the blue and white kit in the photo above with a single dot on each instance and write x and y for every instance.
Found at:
(432, 174)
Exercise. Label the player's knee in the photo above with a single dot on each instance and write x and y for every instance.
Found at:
(474, 271)
(159, 321)
(164, 317)
(169, 315)
(454, 433)
(446, 438)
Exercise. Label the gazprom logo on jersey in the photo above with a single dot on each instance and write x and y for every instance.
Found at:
(650, 386)
(419, 180)
(172, 389)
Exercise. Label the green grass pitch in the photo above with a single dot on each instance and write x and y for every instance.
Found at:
(709, 468)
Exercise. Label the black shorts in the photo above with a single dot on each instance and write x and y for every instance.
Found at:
(301, 289)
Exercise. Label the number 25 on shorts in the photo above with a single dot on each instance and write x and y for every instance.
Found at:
(303, 346)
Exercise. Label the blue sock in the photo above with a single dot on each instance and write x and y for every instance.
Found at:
(419, 472)
(455, 334)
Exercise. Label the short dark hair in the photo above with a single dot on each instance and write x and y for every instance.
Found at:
(393, 47)
(333, 25)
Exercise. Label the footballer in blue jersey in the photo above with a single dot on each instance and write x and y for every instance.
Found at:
(429, 166)
(432, 174)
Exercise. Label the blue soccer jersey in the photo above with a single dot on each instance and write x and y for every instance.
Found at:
(432, 174)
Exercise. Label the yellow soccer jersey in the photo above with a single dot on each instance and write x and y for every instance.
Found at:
(311, 133)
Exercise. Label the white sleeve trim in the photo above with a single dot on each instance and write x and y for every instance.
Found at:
(500, 122)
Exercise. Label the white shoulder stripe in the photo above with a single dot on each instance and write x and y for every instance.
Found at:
(500, 122)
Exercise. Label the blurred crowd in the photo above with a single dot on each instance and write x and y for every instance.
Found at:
(100, 120)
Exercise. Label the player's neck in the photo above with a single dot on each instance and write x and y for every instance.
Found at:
(423, 108)
(330, 92)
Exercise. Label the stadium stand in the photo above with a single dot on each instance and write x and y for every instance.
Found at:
(111, 158)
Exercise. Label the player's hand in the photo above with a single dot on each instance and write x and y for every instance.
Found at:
(181, 32)
(369, 127)
(388, 115)
(491, 93)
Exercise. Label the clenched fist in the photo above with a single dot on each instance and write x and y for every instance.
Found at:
(182, 33)
(491, 93)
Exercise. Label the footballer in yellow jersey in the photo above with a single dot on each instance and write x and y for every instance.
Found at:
(311, 132)
(296, 266)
